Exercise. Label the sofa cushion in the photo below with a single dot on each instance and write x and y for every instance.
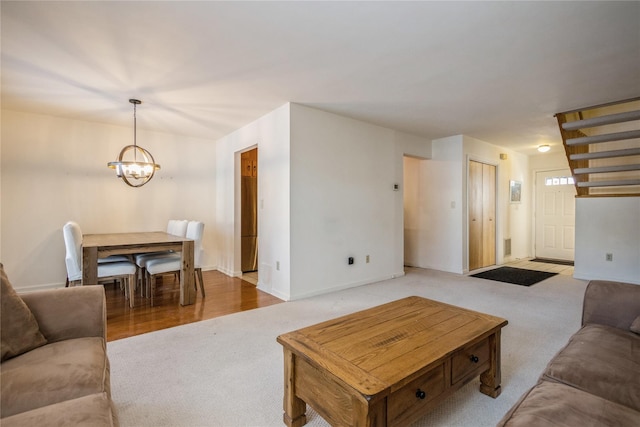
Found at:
(555, 404)
(54, 373)
(603, 361)
(635, 326)
(20, 332)
(610, 303)
(94, 410)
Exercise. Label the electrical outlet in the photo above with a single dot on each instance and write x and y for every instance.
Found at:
(367, 259)
(278, 265)
(609, 257)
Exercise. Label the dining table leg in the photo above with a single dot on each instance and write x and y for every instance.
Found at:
(89, 266)
(187, 291)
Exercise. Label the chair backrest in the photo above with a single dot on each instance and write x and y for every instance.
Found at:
(195, 230)
(177, 227)
(73, 244)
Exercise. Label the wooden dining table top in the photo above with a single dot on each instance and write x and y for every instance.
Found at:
(132, 238)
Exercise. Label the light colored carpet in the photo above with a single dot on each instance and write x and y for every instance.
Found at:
(228, 371)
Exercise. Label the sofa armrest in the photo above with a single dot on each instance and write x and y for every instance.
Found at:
(68, 313)
(613, 304)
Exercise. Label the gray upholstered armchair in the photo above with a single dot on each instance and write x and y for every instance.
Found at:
(54, 369)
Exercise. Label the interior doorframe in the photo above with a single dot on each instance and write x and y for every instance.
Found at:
(498, 202)
(237, 210)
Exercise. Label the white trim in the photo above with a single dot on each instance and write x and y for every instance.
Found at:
(341, 287)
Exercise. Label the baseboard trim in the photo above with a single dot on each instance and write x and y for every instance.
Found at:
(588, 277)
(228, 272)
(345, 286)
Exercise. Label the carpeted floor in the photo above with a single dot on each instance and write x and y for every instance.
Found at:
(228, 371)
(516, 276)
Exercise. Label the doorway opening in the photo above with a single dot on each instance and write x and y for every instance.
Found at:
(413, 194)
(249, 215)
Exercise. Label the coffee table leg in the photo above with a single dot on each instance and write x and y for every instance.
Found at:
(490, 380)
(294, 407)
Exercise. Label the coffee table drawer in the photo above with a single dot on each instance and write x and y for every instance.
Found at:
(467, 362)
(410, 401)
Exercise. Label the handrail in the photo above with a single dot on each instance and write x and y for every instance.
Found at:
(607, 104)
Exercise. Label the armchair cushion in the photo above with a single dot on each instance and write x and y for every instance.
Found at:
(54, 373)
(94, 410)
(20, 331)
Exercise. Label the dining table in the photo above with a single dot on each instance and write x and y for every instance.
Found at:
(95, 246)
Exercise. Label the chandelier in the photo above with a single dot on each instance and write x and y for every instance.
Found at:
(134, 165)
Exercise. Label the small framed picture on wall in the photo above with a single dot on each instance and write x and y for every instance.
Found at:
(515, 191)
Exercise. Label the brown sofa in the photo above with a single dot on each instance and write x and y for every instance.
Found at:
(595, 379)
(54, 369)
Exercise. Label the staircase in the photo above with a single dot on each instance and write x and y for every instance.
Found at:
(602, 144)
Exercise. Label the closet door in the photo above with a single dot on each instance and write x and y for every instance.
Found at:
(482, 208)
(488, 215)
(475, 215)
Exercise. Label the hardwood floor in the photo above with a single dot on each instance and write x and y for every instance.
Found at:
(224, 295)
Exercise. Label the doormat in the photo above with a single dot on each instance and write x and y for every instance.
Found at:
(516, 276)
(552, 261)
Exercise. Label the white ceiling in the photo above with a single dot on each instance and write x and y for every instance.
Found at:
(496, 71)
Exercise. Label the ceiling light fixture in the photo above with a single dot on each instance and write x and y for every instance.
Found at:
(544, 148)
(140, 170)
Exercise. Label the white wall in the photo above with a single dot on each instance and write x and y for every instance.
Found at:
(608, 225)
(436, 216)
(55, 170)
(343, 203)
(271, 135)
(325, 192)
(547, 161)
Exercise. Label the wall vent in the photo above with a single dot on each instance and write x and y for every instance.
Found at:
(507, 247)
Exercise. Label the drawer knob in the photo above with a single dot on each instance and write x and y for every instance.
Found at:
(421, 394)
(474, 358)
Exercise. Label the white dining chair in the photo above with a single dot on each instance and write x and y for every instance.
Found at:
(115, 270)
(176, 227)
(173, 263)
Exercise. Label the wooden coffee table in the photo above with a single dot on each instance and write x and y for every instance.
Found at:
(390, 364)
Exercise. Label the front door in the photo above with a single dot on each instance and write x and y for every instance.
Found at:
(555, 215)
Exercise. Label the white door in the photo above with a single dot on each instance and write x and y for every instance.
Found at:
(555, 215)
